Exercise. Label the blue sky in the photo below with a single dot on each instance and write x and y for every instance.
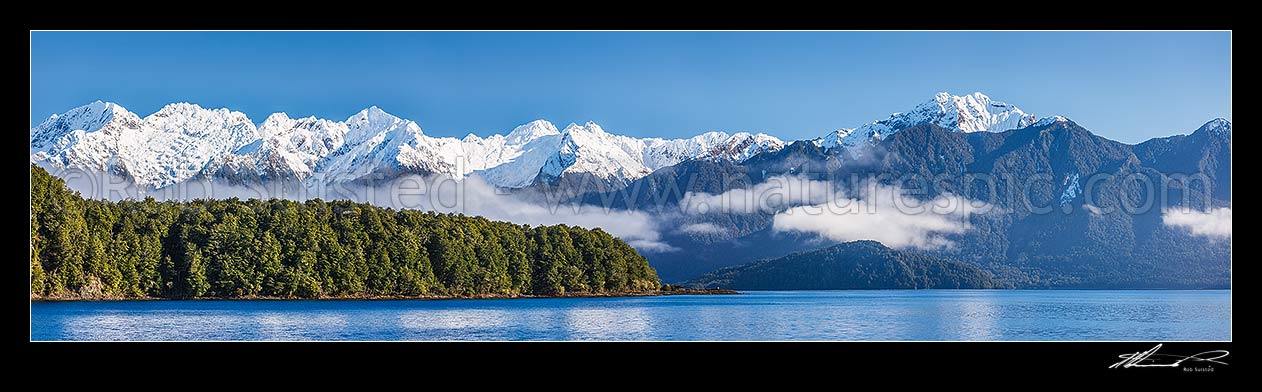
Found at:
(1127, 86)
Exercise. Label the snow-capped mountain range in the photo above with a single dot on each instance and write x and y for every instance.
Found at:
(184, 141)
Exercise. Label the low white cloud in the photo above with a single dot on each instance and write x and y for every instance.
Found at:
(885, 214)
(1213, 223)
(473, 196)
(701, 228)
(469, 196)
(773, 195)
(651, 246)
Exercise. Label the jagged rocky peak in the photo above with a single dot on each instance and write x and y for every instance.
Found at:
(832, 139)
(743, 145)
(194, 120)
(974, 112)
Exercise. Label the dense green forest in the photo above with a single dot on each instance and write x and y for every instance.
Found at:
(849, 266)
(84, 248)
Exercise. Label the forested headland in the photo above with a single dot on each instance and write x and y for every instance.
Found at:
(93, 249)
(855, 265)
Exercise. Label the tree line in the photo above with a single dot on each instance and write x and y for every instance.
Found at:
(87, 248)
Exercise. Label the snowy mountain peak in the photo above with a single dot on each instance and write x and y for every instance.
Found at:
(184, 112)
(589, 127)
(742, 145)
(372, 114)
(974, 112)
(374, 123)
(276, 122)
(177, 108)
(105, 108)
(375, 119)
(90, 117)
(292, 146)
(278, 118)
(196, 121)
(589, 149)
(180, 113)
(1050, 120)
(944, 97)
(172, 145)
(714, 137)
(530, 131)
(103, 121)
(1218, 125)
(832, 139)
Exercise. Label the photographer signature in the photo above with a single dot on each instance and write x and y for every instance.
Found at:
(1151, 358)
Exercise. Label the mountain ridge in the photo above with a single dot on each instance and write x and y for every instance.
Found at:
(184, 141)
(1075, 242)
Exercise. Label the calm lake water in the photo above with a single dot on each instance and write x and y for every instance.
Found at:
(755, 315)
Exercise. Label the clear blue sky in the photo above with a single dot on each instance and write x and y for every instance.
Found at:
(1128, 86)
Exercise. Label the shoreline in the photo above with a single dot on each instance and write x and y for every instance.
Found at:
(399, 297)
(657, 293)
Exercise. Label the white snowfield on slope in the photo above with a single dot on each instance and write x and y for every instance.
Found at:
(184, 141)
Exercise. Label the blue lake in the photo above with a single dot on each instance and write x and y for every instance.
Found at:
(879, 315)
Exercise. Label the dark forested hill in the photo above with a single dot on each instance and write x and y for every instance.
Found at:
(83, 248)
(851, 265)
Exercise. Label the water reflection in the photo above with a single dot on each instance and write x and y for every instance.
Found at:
(811, 315)
(608, 323)
(297, 326)
(130, 326)
(453, 324)
(977, 318)
(452, 318)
